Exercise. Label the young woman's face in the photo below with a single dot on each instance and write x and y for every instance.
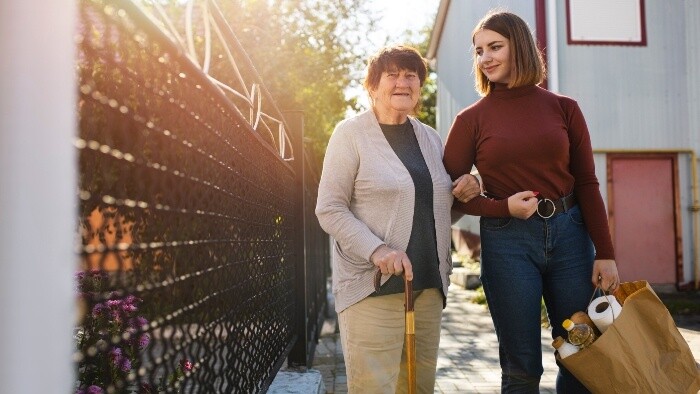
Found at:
(493, 55)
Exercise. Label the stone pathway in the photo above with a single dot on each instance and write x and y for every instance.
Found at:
(468, 358)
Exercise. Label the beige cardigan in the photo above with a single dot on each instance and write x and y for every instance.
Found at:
(366, 198)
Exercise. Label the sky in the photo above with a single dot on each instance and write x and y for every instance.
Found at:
(397, 16)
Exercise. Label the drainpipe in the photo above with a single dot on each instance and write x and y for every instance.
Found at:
(552, 50)
(695, 208)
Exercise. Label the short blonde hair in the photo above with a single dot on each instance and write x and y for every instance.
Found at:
(528, 64)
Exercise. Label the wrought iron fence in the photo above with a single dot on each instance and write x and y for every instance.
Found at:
(202, 265)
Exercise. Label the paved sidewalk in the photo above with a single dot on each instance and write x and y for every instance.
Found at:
(468, 358)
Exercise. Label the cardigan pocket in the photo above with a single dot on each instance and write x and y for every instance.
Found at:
(360, 264)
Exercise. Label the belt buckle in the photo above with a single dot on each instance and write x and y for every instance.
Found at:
(546, 200)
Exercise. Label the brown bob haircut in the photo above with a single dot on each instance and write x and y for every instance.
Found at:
(398, 57)
(528, 65)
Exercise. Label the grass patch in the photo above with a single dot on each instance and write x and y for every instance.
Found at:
(480, 297)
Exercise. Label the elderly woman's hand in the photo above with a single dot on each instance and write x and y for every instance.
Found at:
(392, 261)
(466, 187)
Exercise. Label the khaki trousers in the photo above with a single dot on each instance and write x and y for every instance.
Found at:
(372, 335)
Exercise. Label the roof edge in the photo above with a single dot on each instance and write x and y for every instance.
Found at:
(436, 33)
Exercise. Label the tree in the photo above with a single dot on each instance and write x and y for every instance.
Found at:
(307, 52)
(427, 112)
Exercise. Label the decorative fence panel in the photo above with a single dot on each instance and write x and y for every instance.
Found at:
(189, 215)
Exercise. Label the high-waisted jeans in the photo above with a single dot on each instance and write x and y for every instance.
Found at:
(523, 261)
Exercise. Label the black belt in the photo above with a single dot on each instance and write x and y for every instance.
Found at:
(547, 208)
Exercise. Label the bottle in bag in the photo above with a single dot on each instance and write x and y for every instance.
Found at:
(581, 335)
(582, 317)
(564, 348)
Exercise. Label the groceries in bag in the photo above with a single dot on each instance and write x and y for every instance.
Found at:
(564, 348)
(581, 334)
(641, 352)
(603, 311)
(582, 317)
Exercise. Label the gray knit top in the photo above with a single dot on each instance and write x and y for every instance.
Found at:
(366, 198)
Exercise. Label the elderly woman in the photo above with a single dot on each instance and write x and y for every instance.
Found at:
(385, 198)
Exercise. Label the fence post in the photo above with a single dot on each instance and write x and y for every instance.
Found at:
(299, 355)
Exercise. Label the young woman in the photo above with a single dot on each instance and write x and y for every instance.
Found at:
(544, 229)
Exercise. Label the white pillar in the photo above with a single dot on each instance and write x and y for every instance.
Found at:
(552, 46)
(37, 195)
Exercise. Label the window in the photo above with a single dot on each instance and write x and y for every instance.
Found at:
(606, 22)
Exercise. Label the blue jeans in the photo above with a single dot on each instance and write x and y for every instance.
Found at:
(523, 261)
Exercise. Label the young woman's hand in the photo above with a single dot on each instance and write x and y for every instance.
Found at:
(605, 275)
(392, 262)
(522, 205)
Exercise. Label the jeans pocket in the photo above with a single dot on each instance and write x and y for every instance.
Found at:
(494, 223)
(575, 215)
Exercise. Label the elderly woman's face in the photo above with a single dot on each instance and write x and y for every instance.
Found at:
(397, 93)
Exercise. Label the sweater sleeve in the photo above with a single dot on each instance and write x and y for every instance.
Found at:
(459, 157)
(335, 192)
(586, 186)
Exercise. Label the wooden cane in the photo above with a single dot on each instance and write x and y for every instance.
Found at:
(410, 336)
(410, 333)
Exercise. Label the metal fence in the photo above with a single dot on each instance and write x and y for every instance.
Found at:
(202, 266)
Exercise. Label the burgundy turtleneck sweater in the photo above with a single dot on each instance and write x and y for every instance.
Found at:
(528, 138)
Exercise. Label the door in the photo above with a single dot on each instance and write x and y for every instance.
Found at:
(644, 217)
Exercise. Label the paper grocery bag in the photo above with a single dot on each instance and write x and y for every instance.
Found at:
(641, 352)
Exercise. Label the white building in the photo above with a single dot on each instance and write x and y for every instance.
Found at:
(634, 68)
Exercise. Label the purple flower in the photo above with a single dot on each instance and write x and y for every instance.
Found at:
(144, 340)
(129, 304)
(116, 354)
(119, 360)
(90, 281)
(95, 390)
(125, 364)
(186, 365)
(114, 303)
(138, 322)
(98, 310)
(91, 390)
